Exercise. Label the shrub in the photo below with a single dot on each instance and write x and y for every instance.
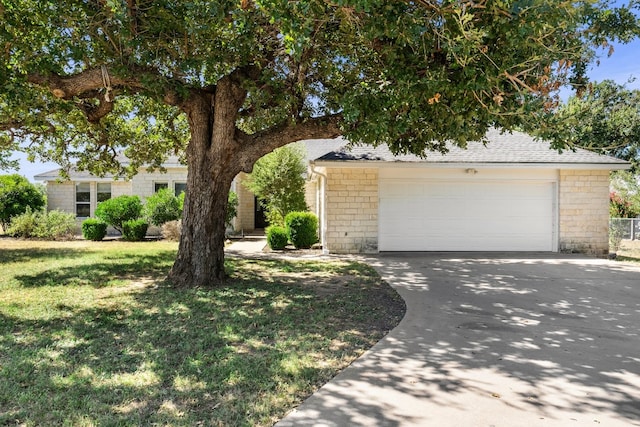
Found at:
(232, 208)
(94, 229)
(16, 195)
(118, 210)
(171, 230)
(134, 230)
(302, 229)
(53, 225)
(22, 225)
(277, 181)
(162, 207)
(277, 237)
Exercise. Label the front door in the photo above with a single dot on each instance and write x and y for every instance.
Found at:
(260, 220)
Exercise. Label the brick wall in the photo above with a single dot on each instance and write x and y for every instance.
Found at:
(61, 195)
(245, 221)
(351, 198)
(584, 211)
(121, 188)
(310, 195)
(143, 184)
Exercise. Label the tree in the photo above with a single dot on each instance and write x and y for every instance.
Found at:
(604, 118)
(625, 195)
(17, 195)
(228, 81)
(277, 181)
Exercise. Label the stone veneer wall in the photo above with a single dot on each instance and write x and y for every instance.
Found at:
(584, 211)
(310, 195)
(61, 195)
(245, 221)
(143, 183)
(352, 210)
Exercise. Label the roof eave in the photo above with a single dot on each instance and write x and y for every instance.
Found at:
(483, 165)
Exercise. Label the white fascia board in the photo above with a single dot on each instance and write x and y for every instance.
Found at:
(384, 164)
(72, 178)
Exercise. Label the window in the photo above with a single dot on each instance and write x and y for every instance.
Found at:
(103, 191)
(180, 187)
(83, 200)
(157, 186)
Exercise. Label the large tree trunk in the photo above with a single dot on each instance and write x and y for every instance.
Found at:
(211, 161)
(216, 153)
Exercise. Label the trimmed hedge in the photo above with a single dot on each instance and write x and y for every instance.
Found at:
(277, 237)
(162, 207)
(118, 210)
(94, 229)
(134, 230)
(302, 229)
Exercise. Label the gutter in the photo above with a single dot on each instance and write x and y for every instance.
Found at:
(323, 219)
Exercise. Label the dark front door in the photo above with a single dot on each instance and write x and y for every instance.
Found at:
(260, 220)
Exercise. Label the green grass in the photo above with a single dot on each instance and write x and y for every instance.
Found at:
(91, 335)
(629, 251)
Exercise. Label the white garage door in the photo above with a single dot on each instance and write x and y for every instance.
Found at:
(432, 215)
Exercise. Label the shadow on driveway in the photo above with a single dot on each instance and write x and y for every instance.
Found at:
(496, 340)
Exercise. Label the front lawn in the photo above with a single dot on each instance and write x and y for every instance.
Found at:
(91, 335)
(629, 251)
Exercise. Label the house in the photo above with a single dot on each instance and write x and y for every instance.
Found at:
(514, 194)
(82, 191)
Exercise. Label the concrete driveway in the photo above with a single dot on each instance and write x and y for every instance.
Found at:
(496, 340)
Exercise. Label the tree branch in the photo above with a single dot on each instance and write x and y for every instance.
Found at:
(78, 85)
(261, 143)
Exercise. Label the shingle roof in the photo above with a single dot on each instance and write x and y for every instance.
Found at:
(77, 175)
(501, 148)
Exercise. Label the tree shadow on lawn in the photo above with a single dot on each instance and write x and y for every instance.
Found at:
(37, 254)
(240, 354)
(128, 266)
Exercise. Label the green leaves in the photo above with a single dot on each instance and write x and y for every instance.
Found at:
(410, 74)
(277, 181)
(17, 195)
(605, 119)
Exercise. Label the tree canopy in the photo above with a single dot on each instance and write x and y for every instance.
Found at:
(604, 118)
(224, 82)
(16, 195)
(278, 183)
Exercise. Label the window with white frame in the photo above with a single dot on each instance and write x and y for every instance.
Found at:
(103, 191)
(83, 199)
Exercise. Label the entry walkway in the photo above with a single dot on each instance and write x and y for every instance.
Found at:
(495, 340)
(247, 246)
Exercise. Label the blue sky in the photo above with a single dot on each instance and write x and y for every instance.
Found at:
(622, 66)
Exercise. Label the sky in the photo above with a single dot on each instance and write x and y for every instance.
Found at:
(622, 67)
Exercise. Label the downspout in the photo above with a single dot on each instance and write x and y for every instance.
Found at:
(322, 205)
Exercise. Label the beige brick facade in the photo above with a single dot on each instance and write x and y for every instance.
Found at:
(144, 183)
(584, 211)
(61, 196)
(245, 221)
(351, 200)
(311, 195)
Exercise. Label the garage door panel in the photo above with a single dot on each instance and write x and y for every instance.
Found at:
(462, 216)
